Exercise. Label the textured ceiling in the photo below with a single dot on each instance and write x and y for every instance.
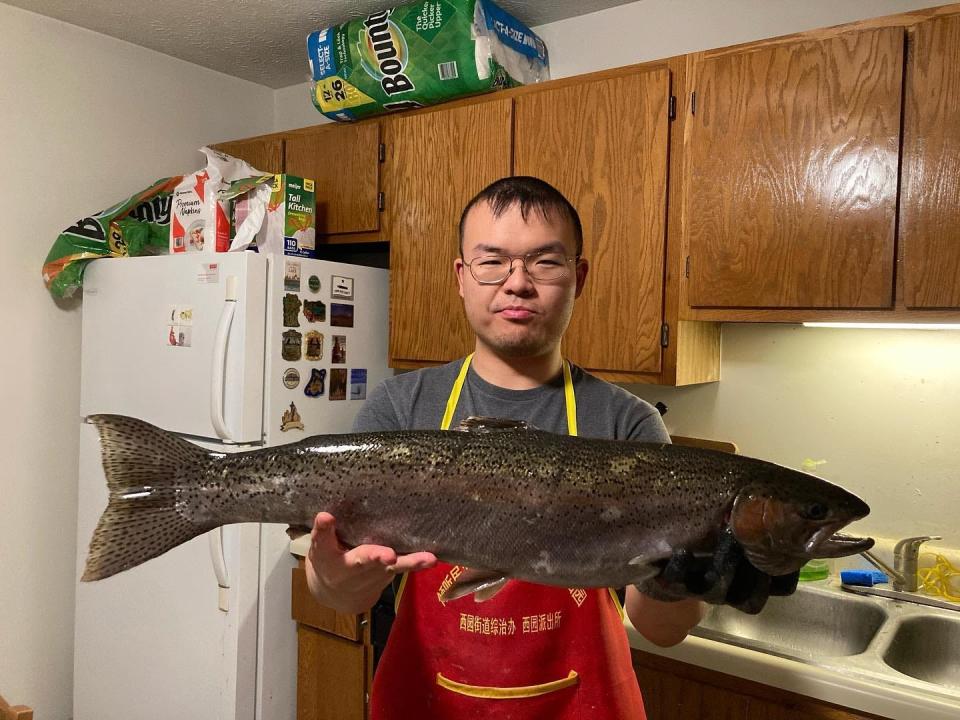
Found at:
(259, 40)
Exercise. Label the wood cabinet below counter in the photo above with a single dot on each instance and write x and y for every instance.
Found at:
(334, 658)
(674, 690)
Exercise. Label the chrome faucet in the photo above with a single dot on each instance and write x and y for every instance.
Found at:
(906, 556)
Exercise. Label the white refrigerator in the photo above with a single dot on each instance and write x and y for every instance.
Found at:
(232, 351)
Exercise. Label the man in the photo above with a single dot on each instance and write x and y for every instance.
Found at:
(531, 651)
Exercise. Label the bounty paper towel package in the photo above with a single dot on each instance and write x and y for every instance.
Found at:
(421, 54)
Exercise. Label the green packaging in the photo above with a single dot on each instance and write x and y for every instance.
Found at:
(421, 54)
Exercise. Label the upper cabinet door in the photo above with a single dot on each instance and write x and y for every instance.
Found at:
(435, 163)
(792, 157)
(930, 209)
(264, 154)
(604, 145)
(345, 162)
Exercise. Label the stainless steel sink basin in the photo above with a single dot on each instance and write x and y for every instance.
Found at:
(806, 625)
(927, 647)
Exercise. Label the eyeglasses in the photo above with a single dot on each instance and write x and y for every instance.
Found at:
(495, 269)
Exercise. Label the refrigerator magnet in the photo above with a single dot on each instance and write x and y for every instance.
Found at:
(291, 276)
(358, 384)
(291, 378)
(291, 309)
(292, 341)
(338, 384)
(338, 355)
(315, 387)
(341, 315)
(341, 288)
(314, 311)
(291, 419)
(314, 343)
(314, 284)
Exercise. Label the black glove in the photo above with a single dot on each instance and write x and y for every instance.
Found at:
(724, 578)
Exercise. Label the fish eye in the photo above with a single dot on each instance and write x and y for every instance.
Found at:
(815, 511)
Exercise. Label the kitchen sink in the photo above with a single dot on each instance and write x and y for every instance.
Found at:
(927, 647)
(809, 624)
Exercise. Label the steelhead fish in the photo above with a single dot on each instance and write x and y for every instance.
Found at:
(514, 501)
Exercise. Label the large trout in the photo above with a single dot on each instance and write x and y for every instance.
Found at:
(503, 499)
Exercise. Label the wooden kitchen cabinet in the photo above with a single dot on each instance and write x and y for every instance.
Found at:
(604, 145)
(263, 153)
(791, 160)
(930, 214)
(435, 163)
(345, 162)
(334, 658)
(674, 690)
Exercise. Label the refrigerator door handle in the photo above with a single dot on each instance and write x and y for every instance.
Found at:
(215, 538)
(218, 378)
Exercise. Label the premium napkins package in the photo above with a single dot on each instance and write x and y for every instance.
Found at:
(421, 54)
(199, 214)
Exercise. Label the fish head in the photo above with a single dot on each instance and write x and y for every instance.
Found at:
(786, 518)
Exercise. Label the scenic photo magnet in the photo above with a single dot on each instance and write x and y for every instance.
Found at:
(291, 276)
(341, 315)
(338, 384)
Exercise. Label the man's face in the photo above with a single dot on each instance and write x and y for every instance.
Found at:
(520, 317)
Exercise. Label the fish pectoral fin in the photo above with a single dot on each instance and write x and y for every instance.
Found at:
(476, 423)
(484, 584)
(643, 569)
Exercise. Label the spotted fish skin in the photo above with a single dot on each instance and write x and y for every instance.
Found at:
(522, 503)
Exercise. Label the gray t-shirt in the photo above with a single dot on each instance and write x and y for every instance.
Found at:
(417, 400)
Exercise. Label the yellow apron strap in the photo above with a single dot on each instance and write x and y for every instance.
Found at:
(616, 602)
(571, 400)
(498, 693)
(455, 394)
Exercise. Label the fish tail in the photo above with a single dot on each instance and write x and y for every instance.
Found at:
(143, 465)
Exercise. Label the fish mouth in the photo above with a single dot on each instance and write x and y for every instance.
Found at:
(828, 543)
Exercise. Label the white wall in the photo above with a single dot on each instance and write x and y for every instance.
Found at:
(86, 121)
(882, 407)
(293, 108)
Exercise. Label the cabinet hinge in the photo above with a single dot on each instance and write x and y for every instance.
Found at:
(380, 202)
(693, 103)
(664, 335)
(672, 110)
(382, 153)
(686, 270)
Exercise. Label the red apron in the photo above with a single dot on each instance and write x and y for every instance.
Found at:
(532, 652)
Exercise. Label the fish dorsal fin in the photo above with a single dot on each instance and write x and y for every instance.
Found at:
(476, 423)
(483, 584)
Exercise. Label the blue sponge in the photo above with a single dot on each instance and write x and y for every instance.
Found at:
(867, 578)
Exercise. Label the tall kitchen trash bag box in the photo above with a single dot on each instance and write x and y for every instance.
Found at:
(421, 54)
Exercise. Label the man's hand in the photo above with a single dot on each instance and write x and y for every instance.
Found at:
(350, 580)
